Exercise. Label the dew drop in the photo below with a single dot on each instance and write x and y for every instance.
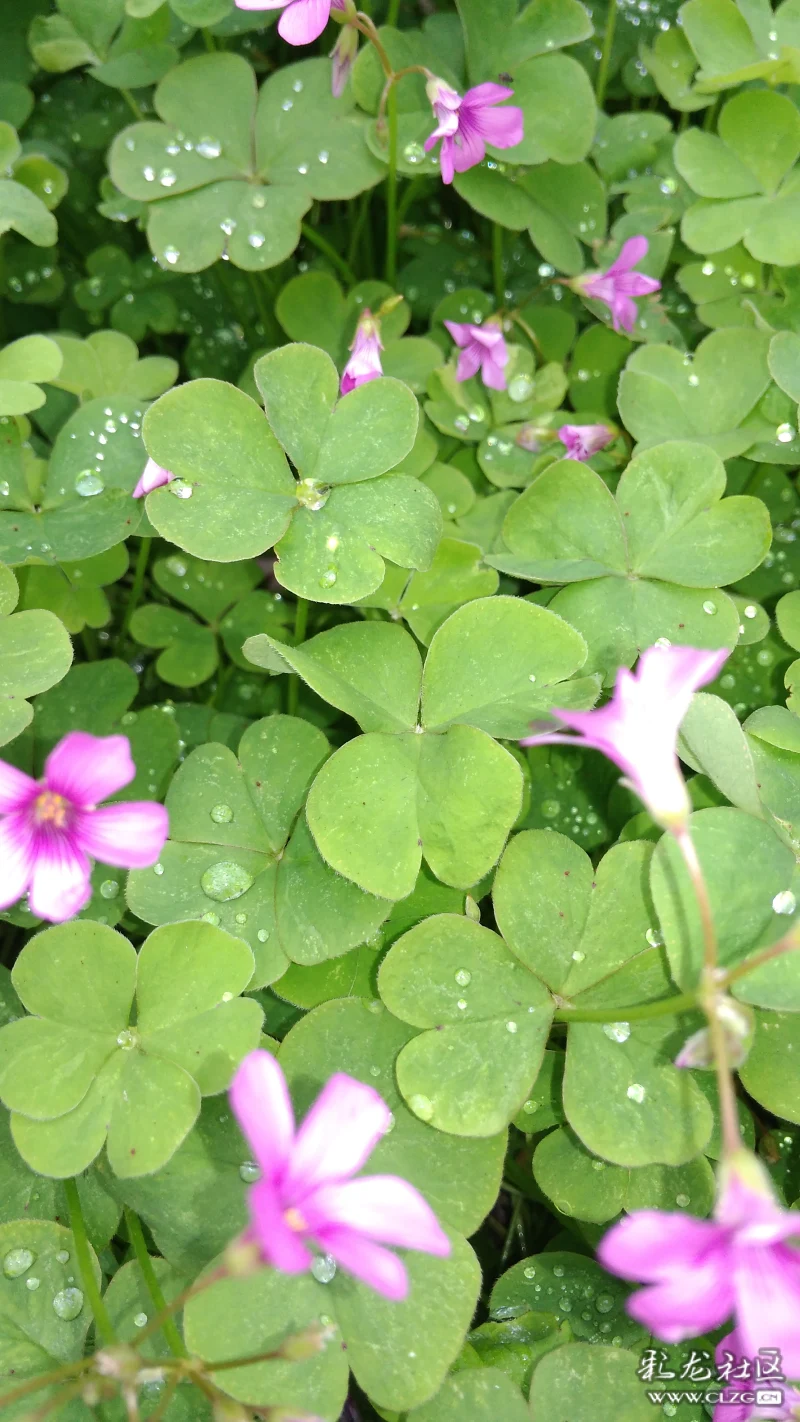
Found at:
(158, 869)
(784, 434)
(68, 1304)
(249, 1172)
(636, 1093)
(17, 1262)
(208, 148)
(511, 1027)
(180, 489)
(63, 1256)
(226, 880)
(558, 1270)
(228, 226)
(654, 938)
(32, 1284)
(328, 578)
(529, 1272)
(414, 153)
(210, 917)
(171, 255)
(4, 489)
(221, 814)
(167, 178)
(262, 935)
(109, 888)
(520, 388)
(127, 1039)
(149, 174)
(604, 1303)
(578, 956)
(323, 156)
(463, 977)
(784, 902)
(709, 607)
(422, 1106)
(682, 1200)
(617, 1031)
(88, 483)
(302, 169)
(140, 1320)
(550, 808)
(324, 1268)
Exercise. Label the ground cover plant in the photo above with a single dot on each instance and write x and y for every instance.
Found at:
(399, 698)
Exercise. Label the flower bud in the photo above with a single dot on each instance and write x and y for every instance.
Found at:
(738, 1026)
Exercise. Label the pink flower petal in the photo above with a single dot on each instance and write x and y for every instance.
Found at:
(130, 836)
(468, 151)
(623, 312)
(337, 1136)
(460, 331)
(16, 858)
(382, 1206)
(503, 128)
(86, 769)
(650, 1245)
(767, 1286)
(153, 477)
(494, 374)
(281, 1246)
(631, 252)
(16, 788)
(469, 362)
(484, 95)
(261, 1103)
(60, 886)
(378, 1267)
(694, 1300)
(304, 20)
(447, 159)
(637, 284)
(260, 4)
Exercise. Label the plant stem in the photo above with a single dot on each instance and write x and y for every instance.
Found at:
(89, 640)
(789, 944)
(262, 308)
(391, 192)
(132, 104)
(393, 12)
(103, 1325)
(605, 60)
(209, 41)
(42, 1380)
(709, 995)
(641, 1012)
(497, 265)
(300, 625)
(169, 1328)
(175, 1305)
(314, 237)
(140, 569)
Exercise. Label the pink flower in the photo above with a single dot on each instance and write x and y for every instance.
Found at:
(730, 1355)
(306, 1191)
(51, 826)
(365, 361)
(483, 348)
(638, 728)
(152, 478)
(582, 441)
(466, 124)
(302, 21)
(700, 1272)
(617, 287)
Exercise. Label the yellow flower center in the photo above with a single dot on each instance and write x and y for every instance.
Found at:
(295, 1220)
(49, 808)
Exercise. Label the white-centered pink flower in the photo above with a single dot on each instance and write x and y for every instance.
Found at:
(619, 284)
(307, 1193)
(153, 476)
(52, 827)
(482, 348)
(302, 21)
(744, 1263)
(365, 359)
(466, 123)
(582, 441)
(638, 728)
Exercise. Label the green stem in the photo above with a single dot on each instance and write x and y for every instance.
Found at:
(42, 1380)
(665, 1007)
(300, 625)
(103, 1325)
(139, 572)
(709, 994)
(316, 240)
(393, 12)
(132, 104)
(605, 59)
(358, 228)
(175, 1305)
(261, 307)
(391, 192)
(789, 944)
(410, 195)
(90, 647)
(137, 1239)
(497, 265)
(209, 41)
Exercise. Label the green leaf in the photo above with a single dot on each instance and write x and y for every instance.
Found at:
(190, 652)
(44, 1318)
(503, 38)
(139, 1084)
(712, 741)
(577, 1182)
(382, 802)
(371, 671)
(35, 652)
(215, 439)
(743, 911)
(24, 1195)
(472, 1072)
(569, 1286)
(771, 1073)
(22, 364)
(494, 663)
(22, 211)
(477, 1395)
(566, 1377)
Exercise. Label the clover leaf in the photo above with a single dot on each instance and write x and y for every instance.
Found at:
(190, 654)
(35, 653)
(645, 563)
(239, 855)
(22, 364)
(438, 787)
(235, 494)
(78, 1072)
(233, 170)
